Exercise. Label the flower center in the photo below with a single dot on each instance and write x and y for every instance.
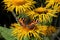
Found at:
(41, 10)
(18, 2)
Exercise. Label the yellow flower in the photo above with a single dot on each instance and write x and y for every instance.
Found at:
(43, 14)
(47, 30)
(43, 30)
(20, 32)
(19, 5)
(58, 9)
(52, 3)
(51, 30)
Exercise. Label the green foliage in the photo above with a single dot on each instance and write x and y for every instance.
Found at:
(32, 38)
(46, 38)
(23, 15)
(26, 38)
(6, 33)
(47, 22)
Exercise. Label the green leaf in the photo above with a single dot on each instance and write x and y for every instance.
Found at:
(46, 38)
(32, 38)
(6, 33)
(23, 15)
(26, 38)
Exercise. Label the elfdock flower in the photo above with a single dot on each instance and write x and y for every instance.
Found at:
(52, 3)
(19, 5)
(43, 14)
(51, 30)
(21, 32)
